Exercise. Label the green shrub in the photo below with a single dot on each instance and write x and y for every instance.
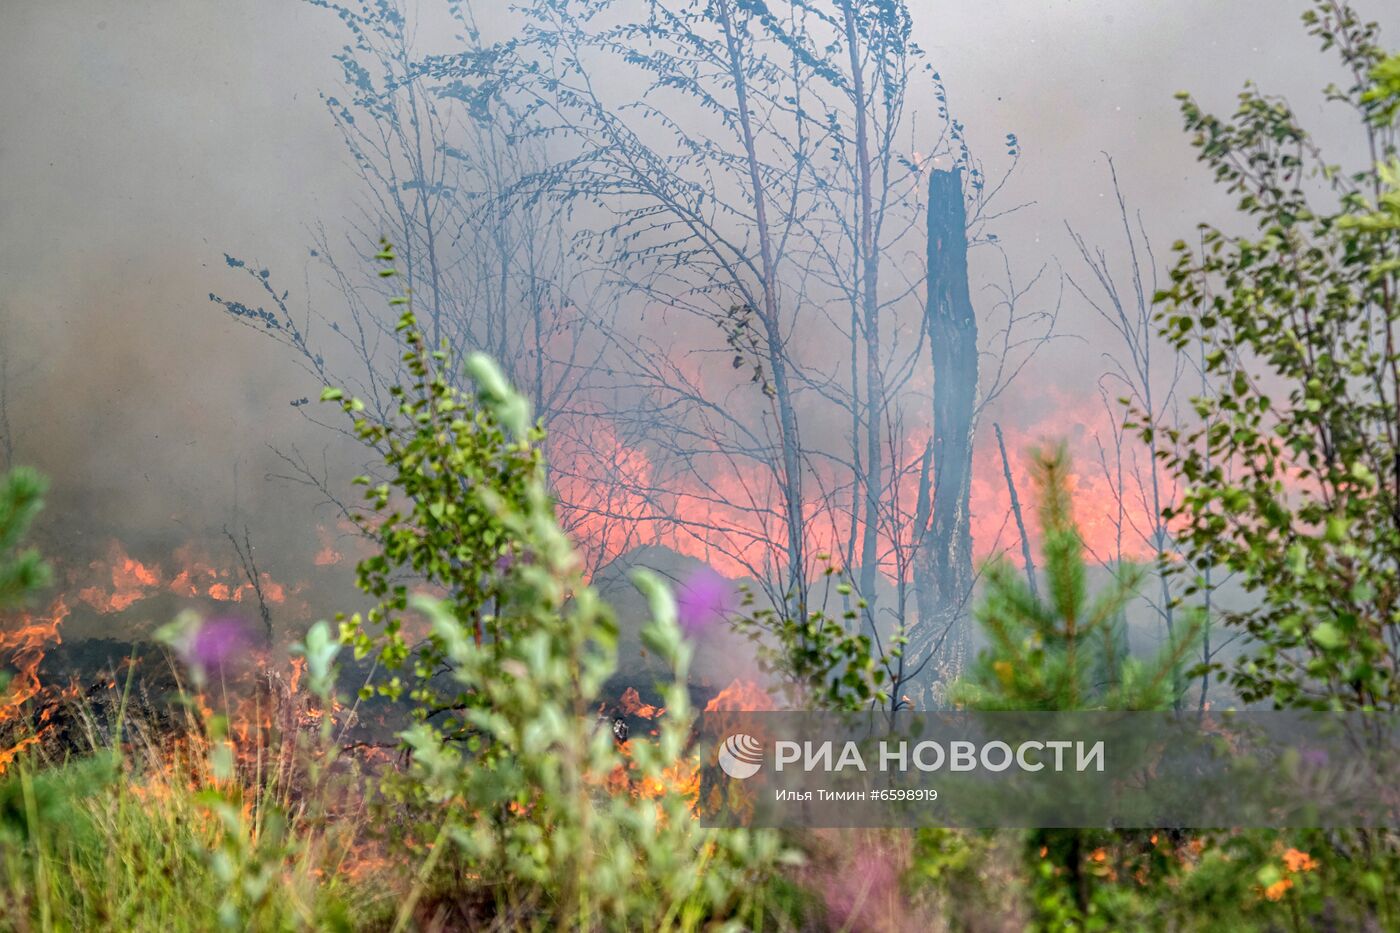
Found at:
(819, 662)
(22, 571)
(430, 515)
(528, 808)
(1062, 652)
(1292, 473)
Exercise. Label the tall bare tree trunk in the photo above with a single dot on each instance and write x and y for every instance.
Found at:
(943, 567)
(874, 478)
(790, 475)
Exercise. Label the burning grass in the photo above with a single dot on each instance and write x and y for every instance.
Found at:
(24, 650)
(124, 808)
(140, 797)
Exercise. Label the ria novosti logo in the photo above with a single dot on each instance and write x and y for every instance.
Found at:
(741, 756)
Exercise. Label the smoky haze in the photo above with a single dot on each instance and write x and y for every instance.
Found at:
(144, 141)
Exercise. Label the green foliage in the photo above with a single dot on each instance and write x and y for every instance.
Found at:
(528, 795)
(965, 873)
(1384, 92)
(22, 571)
(1267, 881)
(529, 803)
(1293, 478)
(1062, 651)
(451, 472)
(262, 834)
(154, 829)
(818, 662)
(46, 798)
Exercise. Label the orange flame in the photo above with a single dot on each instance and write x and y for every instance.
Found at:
(120, 581)
(741, 696)
(614, 498)
(631, 704)
(24, 650)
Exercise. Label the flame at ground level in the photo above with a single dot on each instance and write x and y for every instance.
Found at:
(120, 581)
(21, 651)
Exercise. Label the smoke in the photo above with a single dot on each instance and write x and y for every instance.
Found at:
(144, 141)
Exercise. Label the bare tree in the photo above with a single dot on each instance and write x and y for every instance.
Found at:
(247, 560)
(715, 245)
(1136, 384)
(434, 162)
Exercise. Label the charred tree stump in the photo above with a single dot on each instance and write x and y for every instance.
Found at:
(943, 566)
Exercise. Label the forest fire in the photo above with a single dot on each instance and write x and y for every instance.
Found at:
(24, 647)
(612, 502)
(741, 696)
(22, 650)
(727, 515)
(119, 584)
(611, 505)
(122, 581)
(668, 374)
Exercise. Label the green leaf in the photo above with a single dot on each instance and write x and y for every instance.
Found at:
(1328, 635)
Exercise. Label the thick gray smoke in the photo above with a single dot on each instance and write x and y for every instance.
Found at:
(144, 140)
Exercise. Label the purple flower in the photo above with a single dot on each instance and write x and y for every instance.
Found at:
(1317, 757)
(216, 642)
(703, 599)
(508, 561)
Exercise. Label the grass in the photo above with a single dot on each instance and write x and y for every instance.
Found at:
(248, 817)
(194, 820)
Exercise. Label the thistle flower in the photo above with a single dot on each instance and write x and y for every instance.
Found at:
(206, 645)
(216, 642)
(703, 599)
